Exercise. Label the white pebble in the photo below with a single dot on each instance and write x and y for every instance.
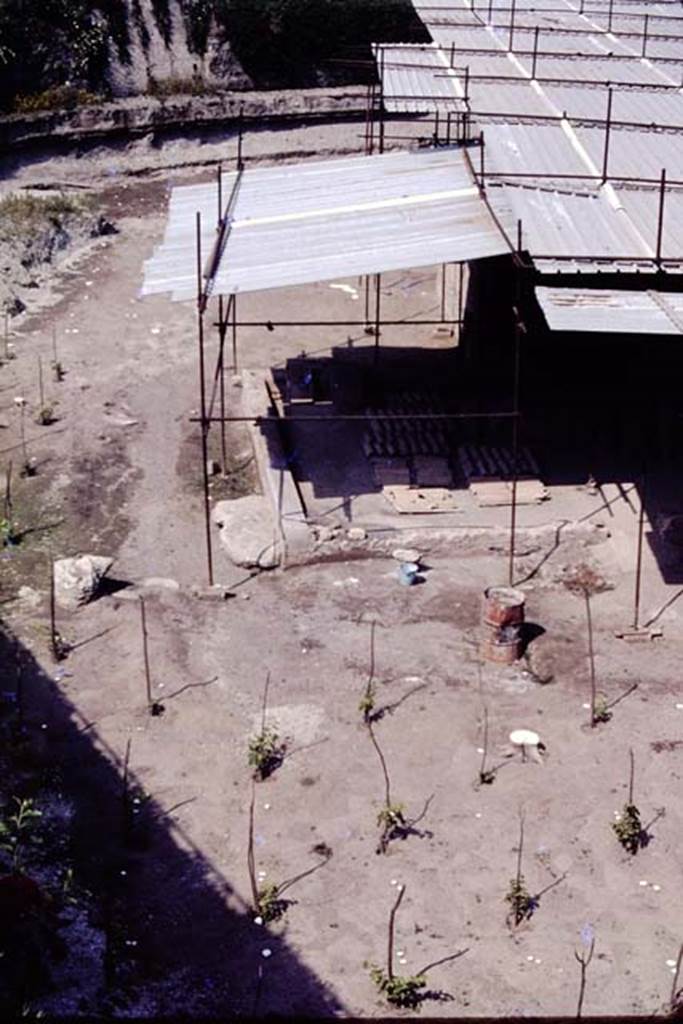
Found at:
(642, 882)
(402, 962)
(679, 707)
(587, 706)
(400, 952)
(657, 888)
(478, 814)
(480, 750)
(529, 958)
(537, 961)
(670, 963)
(394, 881)
(258, 920)
(266, 807)
(266, 953)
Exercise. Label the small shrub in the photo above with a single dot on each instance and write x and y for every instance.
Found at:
(16, 829)
(271, 906)
(522, 903)
(8, 532)
(628, 828)
(266, 752)
(367, 703)
(46, 414)
(399, 991)
(601, 711)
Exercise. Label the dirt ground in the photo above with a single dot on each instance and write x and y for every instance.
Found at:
(116, 476)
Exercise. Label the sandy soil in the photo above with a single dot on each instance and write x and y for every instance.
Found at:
(115, 477)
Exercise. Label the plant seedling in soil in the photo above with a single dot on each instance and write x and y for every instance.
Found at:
(391, 819)
(266, 749)
(522, 903)
(46, 414)
(586, 582)
(267, 899)
(628, 827)
(57, 368)
(601, 711)
(16, 829)
(486, 776)
(405, 991)
(583, 959)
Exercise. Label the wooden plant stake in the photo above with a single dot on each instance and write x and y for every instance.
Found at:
(676, 997)
(154, 707)
(583, 959)
(486, 777)
(390, 936)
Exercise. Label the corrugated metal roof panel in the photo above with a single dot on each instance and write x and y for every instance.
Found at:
(507, 98)
(416, 80)
(599, 69)
(569, 224)
(319, 220)
(642, 209)
(582, 310)
(635, 105)
(634, 153)
(532, 149)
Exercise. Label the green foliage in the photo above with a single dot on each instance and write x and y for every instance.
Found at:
(16, 830)
(266, 752)
(270, 906)
(392, 822)
(8, 532)
(391, 816)
(522, 904)
(628, 828)
(57, 97)
(601, 711)
(398, 990)
(366, 704)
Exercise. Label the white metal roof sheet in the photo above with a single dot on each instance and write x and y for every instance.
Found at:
(321, 220)
(567, 224)
(417, 79)
(619, 312)
(634, 153)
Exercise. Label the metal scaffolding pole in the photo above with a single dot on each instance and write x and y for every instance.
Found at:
(201, 304)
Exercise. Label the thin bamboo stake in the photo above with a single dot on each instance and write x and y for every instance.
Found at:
(390, 937)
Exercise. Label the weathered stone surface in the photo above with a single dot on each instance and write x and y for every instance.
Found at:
(77, 579)
(247, 532)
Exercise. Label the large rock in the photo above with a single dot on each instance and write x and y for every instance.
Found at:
(247, 532)
(77, 579)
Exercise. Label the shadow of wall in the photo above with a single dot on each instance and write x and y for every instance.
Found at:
(177, 937)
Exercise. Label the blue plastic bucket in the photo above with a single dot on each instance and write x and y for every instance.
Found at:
(407, 573)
